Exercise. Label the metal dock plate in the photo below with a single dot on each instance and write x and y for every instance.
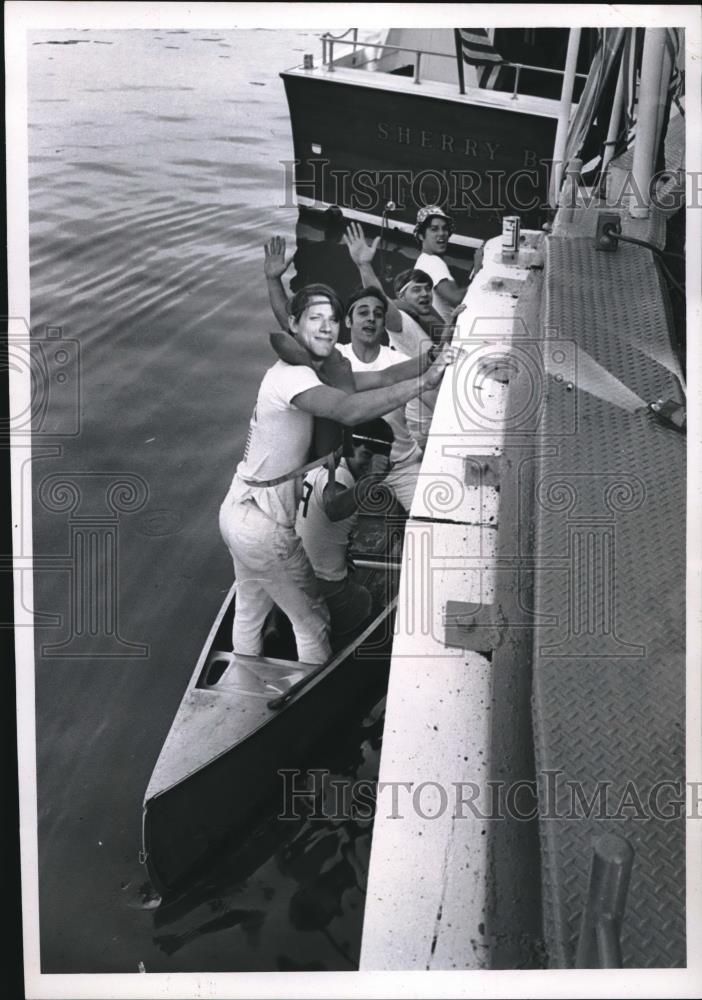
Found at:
(609, 677)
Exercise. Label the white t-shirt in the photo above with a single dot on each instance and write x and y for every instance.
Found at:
(404, 449)
(437, 270)
(278, 441)
(324, 541)
(413, 341)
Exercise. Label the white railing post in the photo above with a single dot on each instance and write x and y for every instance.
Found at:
(331, 56)
(416, 67)
(515, 92)
(650, 96)
(564, 112)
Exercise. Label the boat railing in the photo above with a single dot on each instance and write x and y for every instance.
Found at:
(340, 38)
(329, 41)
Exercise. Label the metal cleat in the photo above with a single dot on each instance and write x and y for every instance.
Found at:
(670, 413)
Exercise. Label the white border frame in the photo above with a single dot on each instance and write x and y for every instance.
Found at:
(23, 16)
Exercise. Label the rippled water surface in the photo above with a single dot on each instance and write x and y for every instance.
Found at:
(154, 181)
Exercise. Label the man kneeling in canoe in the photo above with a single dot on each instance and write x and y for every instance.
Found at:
(257, 517)
(327, 518)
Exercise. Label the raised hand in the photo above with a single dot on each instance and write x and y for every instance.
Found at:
(433, 375)
(456, 312)
(449, 330)
(361, 253)
(274, 265)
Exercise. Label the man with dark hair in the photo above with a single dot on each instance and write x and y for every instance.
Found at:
(365, 320)
(412, 322)
(418, 319)
(432, 232)
(413, 326)
(327, 519)
(257, 517)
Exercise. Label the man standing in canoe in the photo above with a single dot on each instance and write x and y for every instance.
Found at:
(257, 517)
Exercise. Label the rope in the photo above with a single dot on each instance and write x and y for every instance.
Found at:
(329, 460)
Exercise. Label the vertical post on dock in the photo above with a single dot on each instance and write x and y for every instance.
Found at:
(564, 111)
(599, 945)
(651, 94)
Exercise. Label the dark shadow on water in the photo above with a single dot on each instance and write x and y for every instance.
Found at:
(307, 872)
(249, 921)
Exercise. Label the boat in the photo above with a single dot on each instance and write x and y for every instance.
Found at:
(243, 719)
(392, 121)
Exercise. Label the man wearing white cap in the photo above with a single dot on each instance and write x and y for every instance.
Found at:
(432, 232)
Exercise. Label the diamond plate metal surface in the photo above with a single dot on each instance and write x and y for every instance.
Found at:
(609, 677)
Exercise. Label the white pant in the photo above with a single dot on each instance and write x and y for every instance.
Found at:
(270, 566)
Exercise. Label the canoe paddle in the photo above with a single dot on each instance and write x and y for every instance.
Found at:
(283, 699)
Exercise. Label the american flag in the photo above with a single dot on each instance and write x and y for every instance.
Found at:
(477, 49)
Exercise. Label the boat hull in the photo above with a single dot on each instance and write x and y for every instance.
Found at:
(360, 147)
(183, 823)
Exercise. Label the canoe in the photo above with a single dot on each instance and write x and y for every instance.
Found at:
(242, 720)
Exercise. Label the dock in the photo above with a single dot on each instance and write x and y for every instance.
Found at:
(534, 749)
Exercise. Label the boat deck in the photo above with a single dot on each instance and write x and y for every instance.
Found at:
(474, 96)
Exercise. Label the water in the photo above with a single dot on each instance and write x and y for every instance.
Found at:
(154, 182)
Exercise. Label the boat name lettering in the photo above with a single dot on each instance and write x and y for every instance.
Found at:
(484, 149)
